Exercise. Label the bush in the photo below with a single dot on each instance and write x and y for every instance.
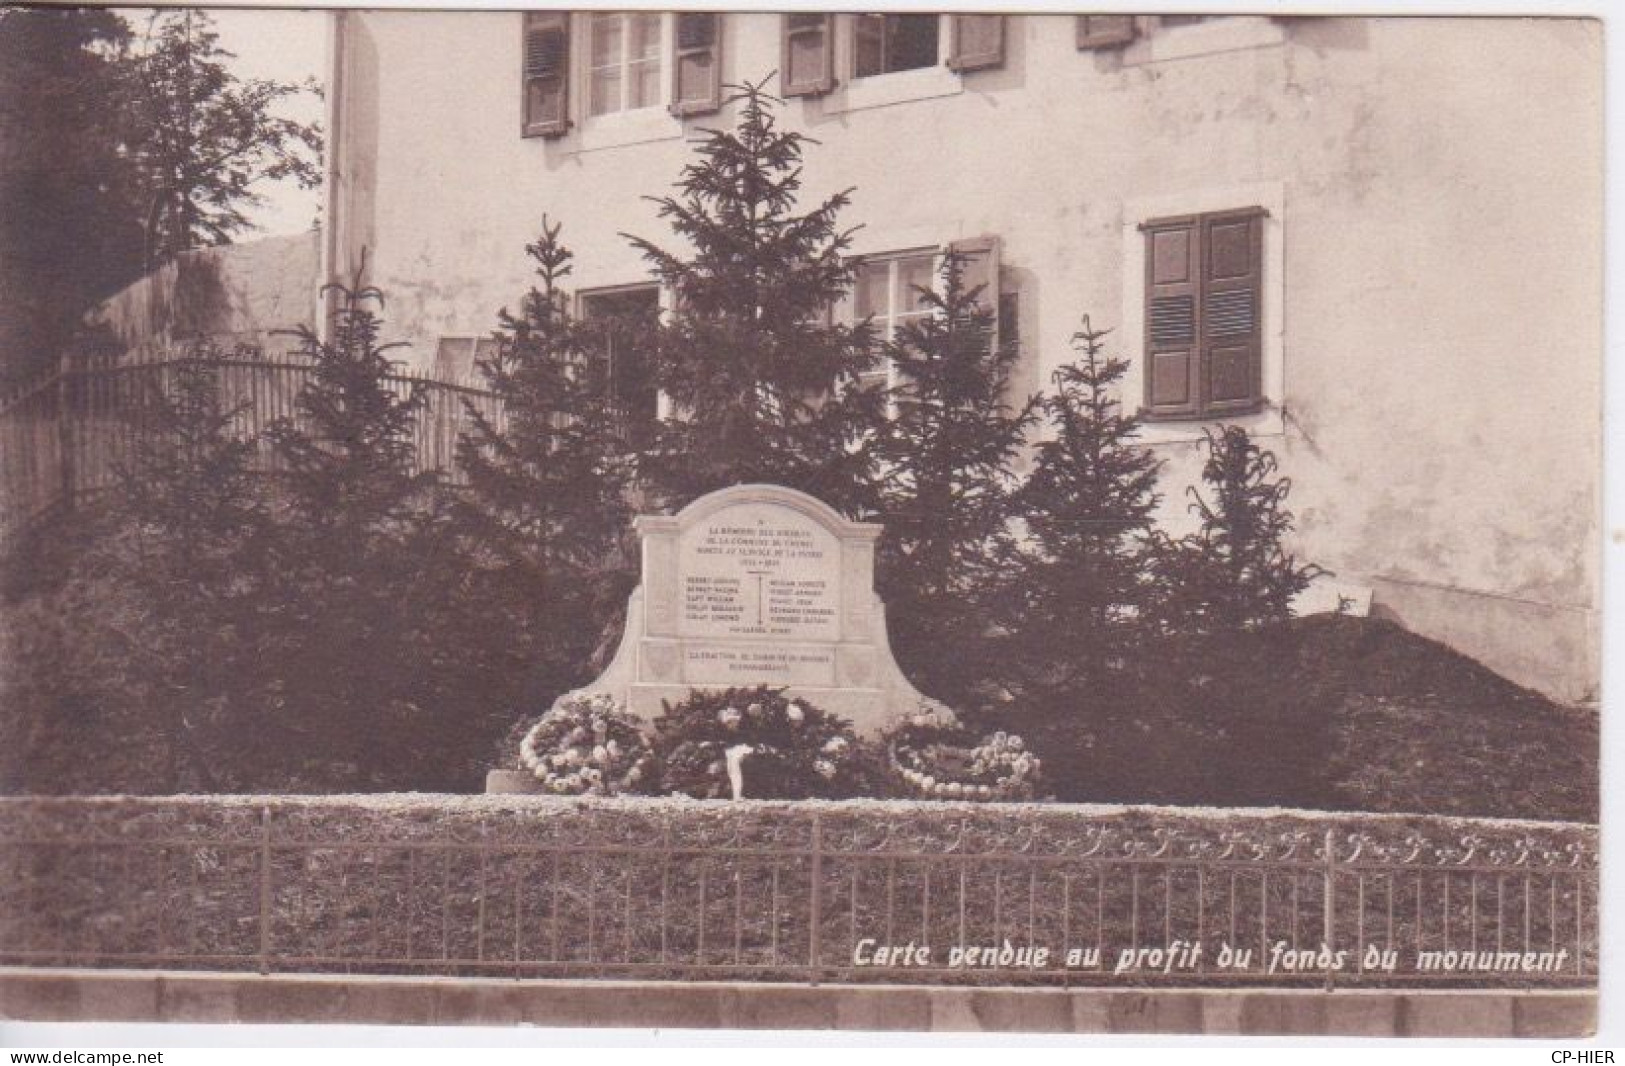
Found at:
(785, 748)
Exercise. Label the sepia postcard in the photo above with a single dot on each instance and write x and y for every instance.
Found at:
(907, 520)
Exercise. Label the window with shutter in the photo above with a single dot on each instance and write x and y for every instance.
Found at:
(809, 54)
(546, 73)
(622, 317)
(1106, 31)
(696, 63)
(1203, 298)
(977, 42)
(980, 259)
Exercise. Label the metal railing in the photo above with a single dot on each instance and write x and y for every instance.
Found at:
(916, 893)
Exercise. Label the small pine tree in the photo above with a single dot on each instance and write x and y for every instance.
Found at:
(366, 690)
(349, 454)
(547, 490)
(759, 381)
(948, 484)
(180, 558)
(1234, 573)
(1088, 505)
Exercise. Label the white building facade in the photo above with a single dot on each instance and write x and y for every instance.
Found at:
(1376, 243)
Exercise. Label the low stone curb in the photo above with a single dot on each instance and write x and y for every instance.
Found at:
(66, 995)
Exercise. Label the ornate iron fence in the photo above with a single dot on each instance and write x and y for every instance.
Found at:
(797, 892)
(66, 436)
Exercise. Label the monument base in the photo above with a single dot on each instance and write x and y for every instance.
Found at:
(511, 783)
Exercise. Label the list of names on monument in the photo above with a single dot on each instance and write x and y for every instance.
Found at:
(755, 571)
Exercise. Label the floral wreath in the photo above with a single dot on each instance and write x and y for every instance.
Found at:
(937, 757)
(755, 742)
(588, 744)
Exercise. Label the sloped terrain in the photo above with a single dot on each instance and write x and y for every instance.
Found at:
(1328, 713)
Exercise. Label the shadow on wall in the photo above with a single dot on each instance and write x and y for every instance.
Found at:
(233, 294)
(1552, 649)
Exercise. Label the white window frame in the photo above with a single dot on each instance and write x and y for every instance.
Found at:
(1269, 420)
(624, 62)
(847, 311)
(855, 21)
(852, 93)
(1159, 43)
(614, 129)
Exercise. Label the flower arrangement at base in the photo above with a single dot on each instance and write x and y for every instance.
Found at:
(589, 745)
(756, 743)
(936, 757)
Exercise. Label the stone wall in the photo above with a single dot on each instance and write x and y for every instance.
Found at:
(176, 998)
(239, 293)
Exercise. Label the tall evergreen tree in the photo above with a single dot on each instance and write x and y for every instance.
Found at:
(1082, 606)
(546, 504)
(187, 542)
(948, 488)
(367, 690)
(69, 217)
(761, 384)
(136, 653)
(201, 137)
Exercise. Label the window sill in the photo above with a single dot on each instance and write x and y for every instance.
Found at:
(1262, 421)
(643, 126)
(1229, 34)
(884, 90)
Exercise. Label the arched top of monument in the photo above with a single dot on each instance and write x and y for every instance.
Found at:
(778, 495)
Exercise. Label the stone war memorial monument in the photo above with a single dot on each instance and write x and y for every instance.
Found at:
(754, 585)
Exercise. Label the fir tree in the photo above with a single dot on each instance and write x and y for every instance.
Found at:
(202, 139)
(70, 202)
(1088, 507)
(1234, 573)
(761, 385)
(948, 484)
(367, 686)
(547, 489)
(184, 539)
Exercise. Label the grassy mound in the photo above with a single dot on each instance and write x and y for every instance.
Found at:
(1420, 727)
(1327, 712)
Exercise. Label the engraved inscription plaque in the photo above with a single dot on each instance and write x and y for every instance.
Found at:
(756, 570)
(754, 585)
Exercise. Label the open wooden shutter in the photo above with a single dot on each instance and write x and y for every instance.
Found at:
(809, 54)
(1172, 262)
(977, 42)
(696, 63)
(546, 73)
(981, 274)
(1106, 31)
(1232, 250)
